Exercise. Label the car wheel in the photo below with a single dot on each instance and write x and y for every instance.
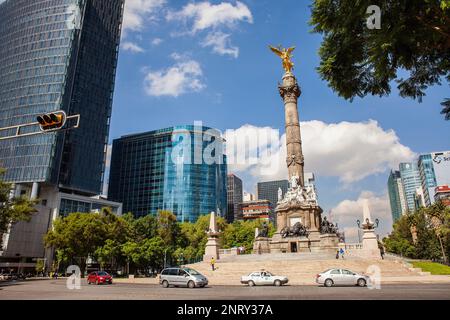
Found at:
(361, 283)
(191, 285)
(277, 283)
(328, 283)
(251, 284)
(165, 284)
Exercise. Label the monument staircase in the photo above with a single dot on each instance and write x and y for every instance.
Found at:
(301, 269)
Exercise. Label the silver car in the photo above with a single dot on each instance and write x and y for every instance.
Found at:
(263, 278)
(182, 277)
(341, 277)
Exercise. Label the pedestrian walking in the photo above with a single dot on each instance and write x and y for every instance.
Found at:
(382, 252)
(342, 253)
(213, 262)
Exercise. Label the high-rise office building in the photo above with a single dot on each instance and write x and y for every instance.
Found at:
(234, 196)
(409, 173)
(396, 195)
(269, 190)
(434, 171)
(165, 170)
(56, 55)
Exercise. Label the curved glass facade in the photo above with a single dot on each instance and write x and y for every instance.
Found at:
(181, 169)
(58, 55)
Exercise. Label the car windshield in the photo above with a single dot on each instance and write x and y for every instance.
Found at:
(192, 272)
(268, 274)
(102, 273)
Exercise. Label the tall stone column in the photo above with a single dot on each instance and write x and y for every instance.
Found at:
(290, 92)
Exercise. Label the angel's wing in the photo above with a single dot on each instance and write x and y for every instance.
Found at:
(276, 51)
(290, 50)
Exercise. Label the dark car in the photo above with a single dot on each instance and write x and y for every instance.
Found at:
(99, 277)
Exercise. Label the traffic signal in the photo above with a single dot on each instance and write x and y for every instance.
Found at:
(52, 121)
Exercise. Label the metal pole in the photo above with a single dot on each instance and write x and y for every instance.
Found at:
(165, 258)
(442, 248)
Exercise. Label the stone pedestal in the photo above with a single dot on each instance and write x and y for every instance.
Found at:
(370, 248)
(211, 249)
(329, 243)
(261, 245)
(212, 246)
(290, 245)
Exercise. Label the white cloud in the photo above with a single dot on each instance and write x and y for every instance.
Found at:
(137, 12)
(348, 211)
(157, 41)
(351, 151)
(220, 44)
(132, 47)
(184, 76)
(205, 15)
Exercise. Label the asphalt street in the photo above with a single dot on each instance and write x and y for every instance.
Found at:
(57, 290)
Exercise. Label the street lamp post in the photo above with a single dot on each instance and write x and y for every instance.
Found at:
(165, 258)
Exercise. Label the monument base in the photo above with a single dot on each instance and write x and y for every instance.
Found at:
(211, 250)
(261, 245)
(370, 248)
(329, 243)
(291, 244)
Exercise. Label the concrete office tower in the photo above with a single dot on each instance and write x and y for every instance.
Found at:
(234, 197)
(157, 170)
(56, 55)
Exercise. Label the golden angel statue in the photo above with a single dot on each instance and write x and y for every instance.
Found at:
(286, 56)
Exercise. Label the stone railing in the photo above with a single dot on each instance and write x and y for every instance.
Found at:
(229, 252)
(351, 246)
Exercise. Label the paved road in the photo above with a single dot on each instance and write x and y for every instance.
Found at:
(56, 289)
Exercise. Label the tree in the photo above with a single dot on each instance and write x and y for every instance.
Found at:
(147, 254)
(12, 210)
(431, 226)
(168, 228)
(78, 236)
(109, 253)
(242, 234)
(40, 266)
(357, 61)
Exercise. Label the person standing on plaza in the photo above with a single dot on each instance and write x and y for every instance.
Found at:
(213, 262)
(342, 253)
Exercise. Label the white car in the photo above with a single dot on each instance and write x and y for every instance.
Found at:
(341, 277)
(263, 278)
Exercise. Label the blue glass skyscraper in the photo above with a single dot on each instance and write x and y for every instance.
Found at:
(166, 170)
(409, 173)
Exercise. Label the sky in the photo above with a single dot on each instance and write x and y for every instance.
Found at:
(186, 61)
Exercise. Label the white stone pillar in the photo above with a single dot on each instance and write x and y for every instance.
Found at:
(34, 191)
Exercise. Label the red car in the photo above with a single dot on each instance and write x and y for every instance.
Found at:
(99, 277)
